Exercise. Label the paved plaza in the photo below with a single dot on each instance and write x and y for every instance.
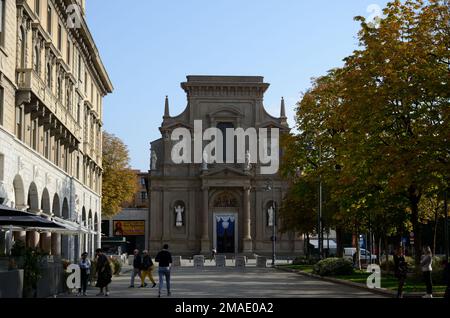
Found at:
(231, 282)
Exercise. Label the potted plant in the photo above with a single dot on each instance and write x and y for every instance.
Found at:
(32, 272)
(17, 255)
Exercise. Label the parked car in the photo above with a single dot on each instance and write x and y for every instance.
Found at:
(366, 256)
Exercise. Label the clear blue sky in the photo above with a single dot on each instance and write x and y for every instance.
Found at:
(149, 46)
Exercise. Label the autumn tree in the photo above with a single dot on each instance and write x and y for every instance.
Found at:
(119, 181)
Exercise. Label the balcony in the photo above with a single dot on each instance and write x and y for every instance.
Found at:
(29, 80)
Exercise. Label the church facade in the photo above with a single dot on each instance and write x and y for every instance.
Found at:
(231, 207)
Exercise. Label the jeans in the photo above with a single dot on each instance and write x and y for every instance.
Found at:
(164, 272)
(428, 282)
(84, 280)
(134, 272)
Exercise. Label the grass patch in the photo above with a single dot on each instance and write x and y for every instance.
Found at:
(390, 282)
(412, 285)
(301, 268)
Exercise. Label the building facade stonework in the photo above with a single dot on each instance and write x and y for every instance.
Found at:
(52, 83)
(197, 207)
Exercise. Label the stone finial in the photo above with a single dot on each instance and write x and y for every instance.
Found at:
(166, 108)
(283, 108)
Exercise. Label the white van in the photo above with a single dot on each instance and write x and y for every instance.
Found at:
(349, 252)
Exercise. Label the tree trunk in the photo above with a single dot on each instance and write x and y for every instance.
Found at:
(386, 252)
(339, 243)
(436, 221)
(414, 198)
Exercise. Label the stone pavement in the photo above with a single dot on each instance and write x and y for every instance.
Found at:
(230, 282)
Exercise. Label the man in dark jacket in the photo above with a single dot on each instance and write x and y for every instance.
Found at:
(164, 258)
(146, 269)
(137, 263)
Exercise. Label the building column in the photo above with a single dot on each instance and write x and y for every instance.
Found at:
(20, 236)
(247, 239)
(56, 244)
(33, 239)
(205, 243)
(46, 242)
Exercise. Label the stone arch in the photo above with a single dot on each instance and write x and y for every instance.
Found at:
(33, 198)
(45, 202)
(56, 206)
(225, 199)
(65, 210)
(19, 192)
(96, 223)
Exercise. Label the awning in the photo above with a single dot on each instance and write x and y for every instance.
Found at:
(17, 218)
(326, 243)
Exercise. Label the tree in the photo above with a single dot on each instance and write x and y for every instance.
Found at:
(119, 181)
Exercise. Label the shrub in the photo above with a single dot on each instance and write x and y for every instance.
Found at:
(303, 260)
(333, 267)
(116, 266)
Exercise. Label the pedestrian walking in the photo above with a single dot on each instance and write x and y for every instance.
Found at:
(400, 270)
(85, 271)
(426, 263)
(164, 258)
(147, 269)
(137, 264)
(213, 254)
(104, 273)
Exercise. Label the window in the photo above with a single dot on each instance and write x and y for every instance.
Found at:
(34, 134)
(2, 167)
(22, 47)
(57, 154)
(49, 19)
(143, 181)
(59, 37)
(143, 196)
(78, 167)
(68, 52)
(49, 75)
(36, 58)
(19, 123)
(85, 83)
(92, 93)
(2, 22)
(79, 67)
(2, 104)
(59, 88)
(47, 144)
(68, 103)
(37, 7)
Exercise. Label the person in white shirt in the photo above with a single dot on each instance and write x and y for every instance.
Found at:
(85, 269)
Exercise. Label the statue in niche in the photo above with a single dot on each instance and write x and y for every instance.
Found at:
(179, 210)
(154, 160)
(270, 216)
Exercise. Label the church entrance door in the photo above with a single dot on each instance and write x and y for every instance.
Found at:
(225, 232)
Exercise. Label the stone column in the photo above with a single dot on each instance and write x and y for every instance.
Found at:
(20, 236)
(247, 239)
(33, 239)
(56, 244)
(205, 243)
(46, 242)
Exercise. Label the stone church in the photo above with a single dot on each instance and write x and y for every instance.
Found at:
(196, 207)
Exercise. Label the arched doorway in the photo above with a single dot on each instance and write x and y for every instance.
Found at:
(56, 238)
(19, 203)
(225, 205)
(65, 240)
(46, 237)
(33, 238)
(19, 193)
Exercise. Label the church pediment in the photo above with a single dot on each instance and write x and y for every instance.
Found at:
(272, 124)
(225, 172)
(175, 125)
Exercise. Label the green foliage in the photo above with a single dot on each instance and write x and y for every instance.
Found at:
(18, 249)
(116, 266)
(303, 260)
(119, 181)
(333, 267)
(32, 269)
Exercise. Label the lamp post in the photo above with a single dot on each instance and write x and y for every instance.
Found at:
(270, 187)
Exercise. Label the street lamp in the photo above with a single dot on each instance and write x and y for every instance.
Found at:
(270, 187)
